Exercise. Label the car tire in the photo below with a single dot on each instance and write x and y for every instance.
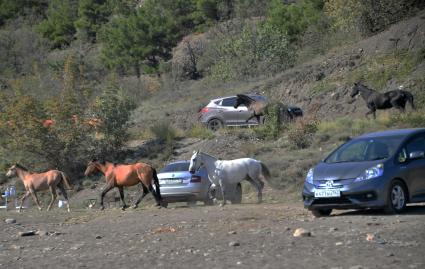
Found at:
(214, 124)
(237, 195)
(397, 197)
(318, 213)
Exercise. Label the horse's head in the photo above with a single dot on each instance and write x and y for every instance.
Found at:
(92, 167)
(239, 101)
(195, 162)
(13, 170)
(242, 99)
(355, 90)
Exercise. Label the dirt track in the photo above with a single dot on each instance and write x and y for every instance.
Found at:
(245, 236)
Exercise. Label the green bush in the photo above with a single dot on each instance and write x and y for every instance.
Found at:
(164, 131)
(200, 131)
(257, 49)
(377, 71)
(272, 124)
(301, 133)
(294, 19)
(368, 16)
(409, 120)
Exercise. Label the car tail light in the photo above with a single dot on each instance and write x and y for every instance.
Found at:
(204, 110)
(195, 179)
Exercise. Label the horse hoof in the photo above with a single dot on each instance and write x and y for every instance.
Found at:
(222, 204)
(134, 206)
(101, 208)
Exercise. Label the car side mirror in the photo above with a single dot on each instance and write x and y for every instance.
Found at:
(416, 155)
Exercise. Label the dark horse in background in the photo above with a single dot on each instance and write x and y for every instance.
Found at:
(260, 107)
(375, 100)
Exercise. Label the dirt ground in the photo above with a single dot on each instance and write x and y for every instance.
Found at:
(236, 236)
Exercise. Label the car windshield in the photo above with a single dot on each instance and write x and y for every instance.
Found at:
(176, 167)
(365, 149)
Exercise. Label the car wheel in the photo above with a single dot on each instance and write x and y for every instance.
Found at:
(215, 124)
(237, 195)
(397, 197)
(321, 212)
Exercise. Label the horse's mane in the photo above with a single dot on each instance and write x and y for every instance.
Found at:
(246, 98)
(209, 155)
(21, 167)
(361, 85)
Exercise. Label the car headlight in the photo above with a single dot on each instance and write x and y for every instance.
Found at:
(309, 177)
(372, 172)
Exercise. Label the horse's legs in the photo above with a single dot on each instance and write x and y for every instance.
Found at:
(223, 191)
(27, 193)
(53, 192)
(34, 196)
(371, 112)
(258, 119)
(252, 116)
(65, 195)
(140, 197)
(258, 184)
(121, 190)
(155, 195)
(106, 188)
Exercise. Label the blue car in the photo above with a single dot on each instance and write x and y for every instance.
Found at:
(376, 170)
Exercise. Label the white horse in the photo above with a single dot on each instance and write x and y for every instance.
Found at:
(223, 172)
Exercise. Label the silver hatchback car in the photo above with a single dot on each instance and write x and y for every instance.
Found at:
(177, 184)
(221, 112)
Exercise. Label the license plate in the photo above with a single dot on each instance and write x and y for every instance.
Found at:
(170, 181)
(327, 193)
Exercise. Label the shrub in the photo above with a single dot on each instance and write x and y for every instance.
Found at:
(300, 134)
(257, 49)
(367, 16)
(409, 120)
(272, 124)
(200, 131)
(377, 71)
(294, 19)
(164, 132)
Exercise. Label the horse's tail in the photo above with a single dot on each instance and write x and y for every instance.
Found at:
(66, 181)
(265, 171)
(156, 182)
(410, 100)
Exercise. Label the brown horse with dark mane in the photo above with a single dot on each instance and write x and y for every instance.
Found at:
(375, 100)
(34, 182)
(261, 107)
(124, 175)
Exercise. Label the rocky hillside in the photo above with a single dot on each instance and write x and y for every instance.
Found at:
(394, 58)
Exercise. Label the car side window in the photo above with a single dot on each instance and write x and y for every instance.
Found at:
(229, 101)
(416, 144)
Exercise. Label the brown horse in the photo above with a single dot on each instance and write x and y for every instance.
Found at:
(123, 175)
(34, 182)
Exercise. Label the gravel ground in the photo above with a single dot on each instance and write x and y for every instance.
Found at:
(236, 236)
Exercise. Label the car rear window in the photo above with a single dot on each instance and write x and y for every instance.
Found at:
(176, 167)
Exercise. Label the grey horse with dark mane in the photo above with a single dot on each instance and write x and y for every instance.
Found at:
(375, 100)
(261, 107)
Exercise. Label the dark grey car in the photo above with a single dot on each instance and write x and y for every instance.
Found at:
(376, 170)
